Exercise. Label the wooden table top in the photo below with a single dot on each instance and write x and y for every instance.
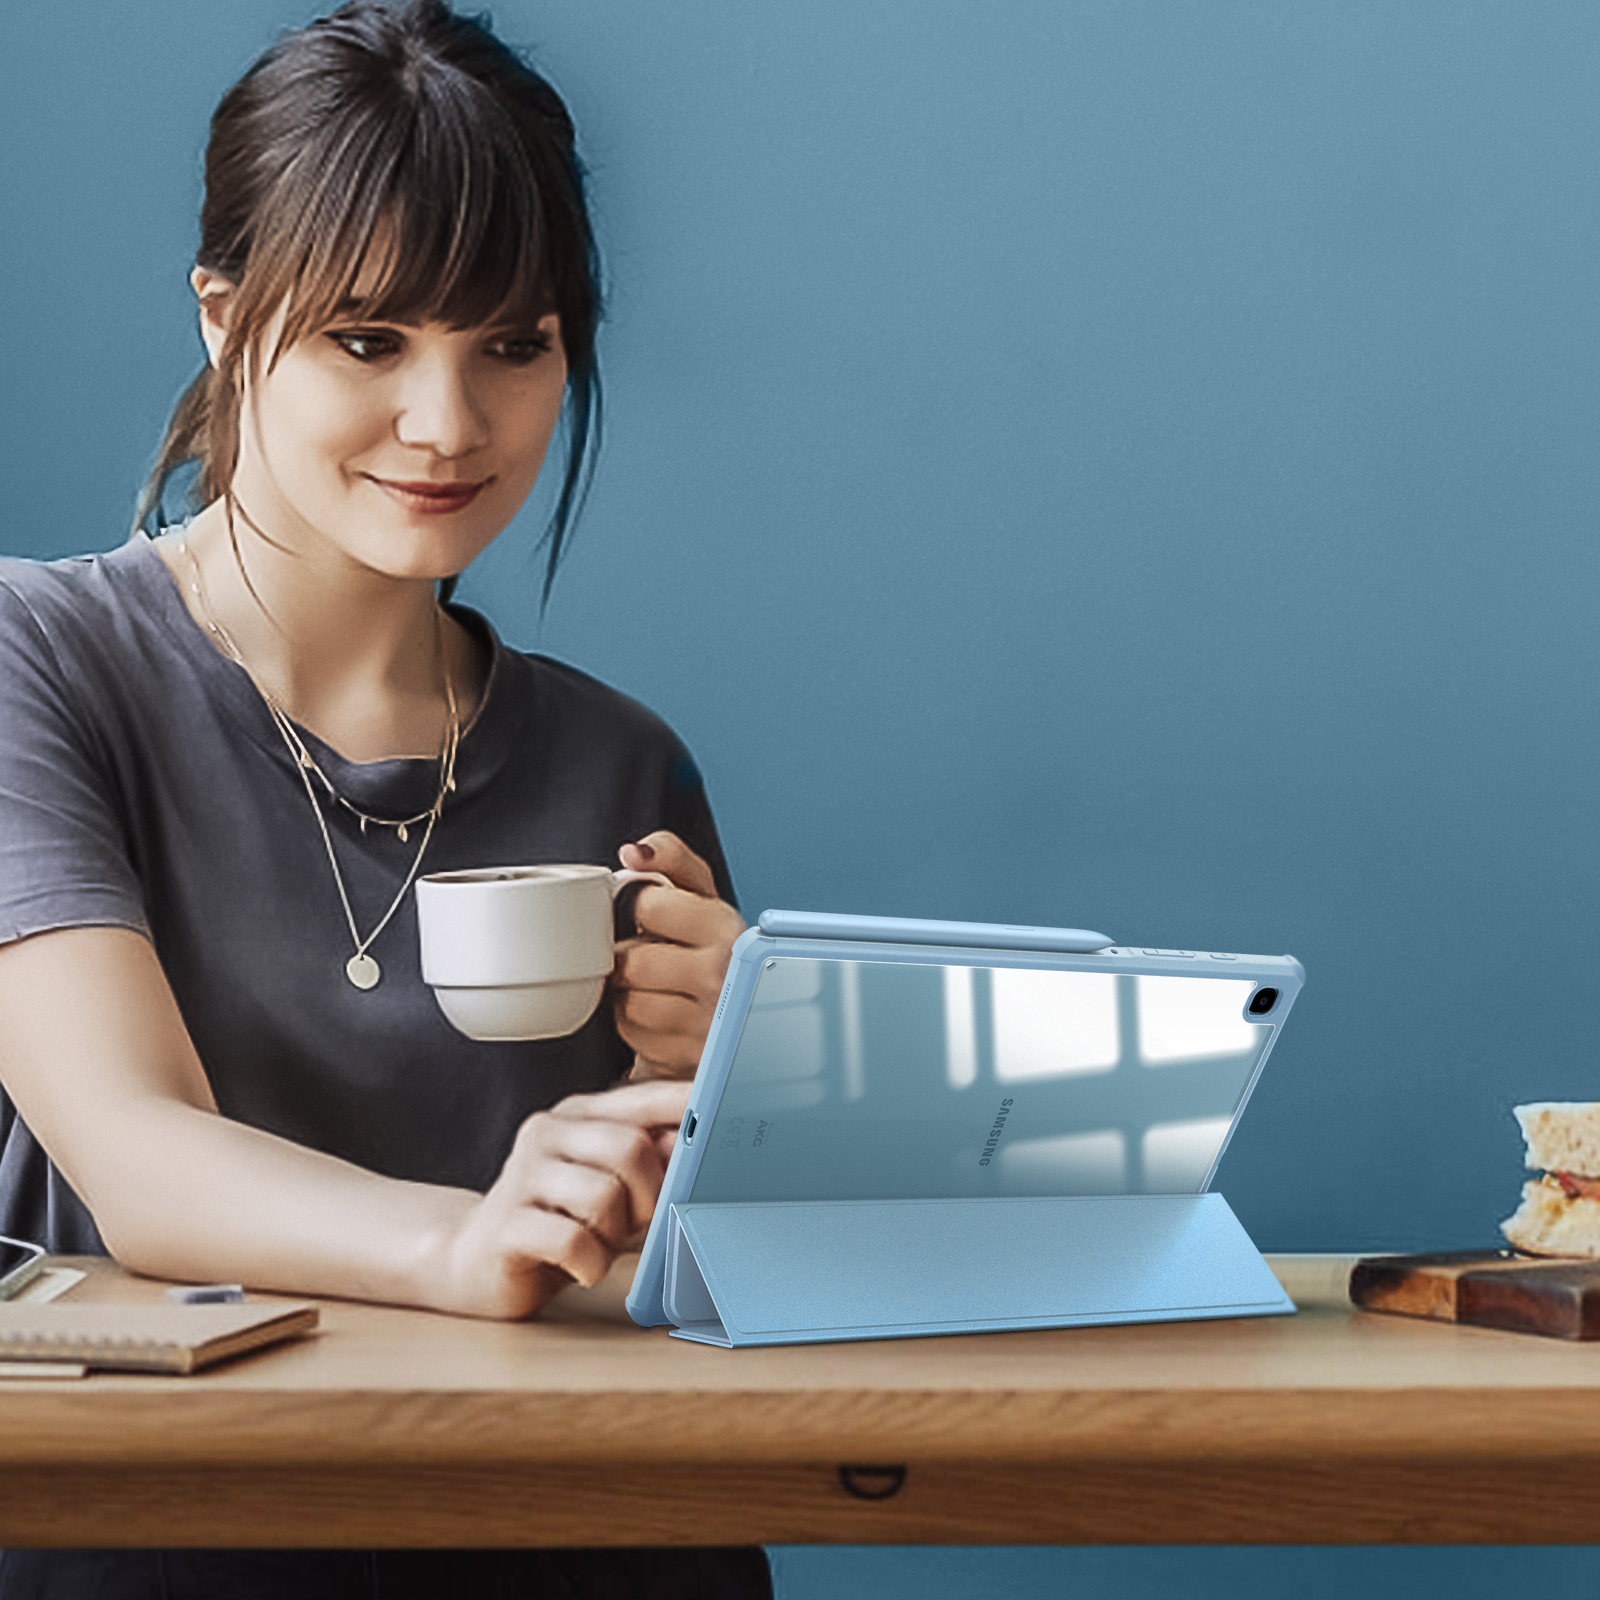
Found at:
(400, 1427)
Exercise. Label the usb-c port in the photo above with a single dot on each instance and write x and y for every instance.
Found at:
(689, 1124)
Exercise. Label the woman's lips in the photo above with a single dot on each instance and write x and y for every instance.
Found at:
(432, 498)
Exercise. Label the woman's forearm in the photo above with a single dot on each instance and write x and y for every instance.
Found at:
(95, 1055)
(233, 1202)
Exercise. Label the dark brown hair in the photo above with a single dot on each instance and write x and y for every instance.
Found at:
(406, 145)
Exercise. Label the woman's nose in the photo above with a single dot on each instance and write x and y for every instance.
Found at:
(438, 410)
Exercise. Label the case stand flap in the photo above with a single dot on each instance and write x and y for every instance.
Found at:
(685, 1296)
(794, 1272)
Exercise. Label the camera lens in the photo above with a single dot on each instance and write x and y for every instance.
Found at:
(1262, 1001)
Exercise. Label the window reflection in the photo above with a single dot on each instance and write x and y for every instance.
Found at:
(783, 1048)
(960, 1039)
(1191, 1019)
(1178, 1155)
(863, 1079)
(1051, 1024)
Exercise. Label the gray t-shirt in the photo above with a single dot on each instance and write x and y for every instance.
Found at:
(143, 785)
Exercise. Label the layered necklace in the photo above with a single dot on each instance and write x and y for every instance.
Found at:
(360, 969)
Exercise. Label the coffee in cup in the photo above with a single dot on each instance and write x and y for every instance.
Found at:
(519, 952)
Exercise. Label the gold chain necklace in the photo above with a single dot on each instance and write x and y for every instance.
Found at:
(360, 969)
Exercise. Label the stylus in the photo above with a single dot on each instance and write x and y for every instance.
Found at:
(918, 930)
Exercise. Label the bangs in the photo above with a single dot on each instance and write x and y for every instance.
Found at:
(424, 210)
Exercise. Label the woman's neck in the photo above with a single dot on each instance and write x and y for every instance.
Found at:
(357, 657)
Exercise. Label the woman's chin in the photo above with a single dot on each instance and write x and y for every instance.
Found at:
(420, 550)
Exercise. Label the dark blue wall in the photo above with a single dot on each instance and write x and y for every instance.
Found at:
(1119, 464)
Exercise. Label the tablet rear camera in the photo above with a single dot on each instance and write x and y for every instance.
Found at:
(1262, 1001)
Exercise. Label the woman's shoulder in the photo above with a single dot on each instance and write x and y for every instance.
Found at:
(565, 689)
(578, 712)
(556, 693)
(574, 722)
(76, 602)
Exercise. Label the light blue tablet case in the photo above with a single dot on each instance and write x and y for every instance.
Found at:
(905, 1128)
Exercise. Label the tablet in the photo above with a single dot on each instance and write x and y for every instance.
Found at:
(878, 1058)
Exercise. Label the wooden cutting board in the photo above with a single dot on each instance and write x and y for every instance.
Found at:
(1559, 1298)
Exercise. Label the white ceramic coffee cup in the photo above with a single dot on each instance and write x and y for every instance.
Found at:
(519, 952)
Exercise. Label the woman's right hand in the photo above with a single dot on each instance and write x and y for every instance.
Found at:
(578, 1188)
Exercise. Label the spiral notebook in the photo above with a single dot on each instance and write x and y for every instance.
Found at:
(142, 1338)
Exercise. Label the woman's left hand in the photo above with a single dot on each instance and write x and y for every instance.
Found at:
(665, 982)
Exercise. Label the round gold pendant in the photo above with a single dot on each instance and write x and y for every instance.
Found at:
(363, 971)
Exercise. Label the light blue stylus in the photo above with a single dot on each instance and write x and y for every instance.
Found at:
(919, 930)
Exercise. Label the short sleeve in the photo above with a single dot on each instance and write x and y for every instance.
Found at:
(64, 857)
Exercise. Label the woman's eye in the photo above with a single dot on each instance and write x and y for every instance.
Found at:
(366, 346)
(524, 348)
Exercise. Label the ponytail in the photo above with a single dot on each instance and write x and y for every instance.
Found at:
(203, 428)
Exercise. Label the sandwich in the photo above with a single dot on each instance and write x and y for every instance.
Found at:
(1560, 1211)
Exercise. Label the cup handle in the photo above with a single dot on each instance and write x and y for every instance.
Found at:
(622, 920)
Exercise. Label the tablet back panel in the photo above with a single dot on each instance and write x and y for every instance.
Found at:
(882, 1080)
(851, 1070)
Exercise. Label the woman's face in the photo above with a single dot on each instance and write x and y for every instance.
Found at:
(404, 447)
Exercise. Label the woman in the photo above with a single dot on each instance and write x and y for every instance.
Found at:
(228, 751)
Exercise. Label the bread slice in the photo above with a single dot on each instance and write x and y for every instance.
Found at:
(1548, 1223)
(1562, 1135)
